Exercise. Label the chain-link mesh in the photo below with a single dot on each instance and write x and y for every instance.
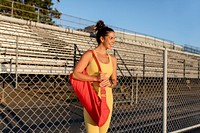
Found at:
(36, 95)
(35, 92)
(138, 96)
(183, 90)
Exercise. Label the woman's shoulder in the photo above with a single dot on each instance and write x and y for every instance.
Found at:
(87, 55)
(113, 58)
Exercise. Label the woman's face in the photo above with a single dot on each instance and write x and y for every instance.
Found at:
(109, 40)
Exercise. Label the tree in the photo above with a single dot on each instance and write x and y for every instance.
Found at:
(5, 6)
(35, 10)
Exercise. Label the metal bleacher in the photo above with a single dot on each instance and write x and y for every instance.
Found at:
(46, 49)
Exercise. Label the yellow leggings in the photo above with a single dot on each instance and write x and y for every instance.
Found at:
(91, 127)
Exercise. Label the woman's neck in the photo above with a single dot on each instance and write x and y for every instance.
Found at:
(101, 50)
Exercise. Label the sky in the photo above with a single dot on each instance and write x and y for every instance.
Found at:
(174, 20)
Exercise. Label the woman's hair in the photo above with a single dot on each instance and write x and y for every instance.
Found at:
(101, 30)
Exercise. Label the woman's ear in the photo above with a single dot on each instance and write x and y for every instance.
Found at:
(102, 39)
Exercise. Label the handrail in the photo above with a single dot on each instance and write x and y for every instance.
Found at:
(191, 49)
(75, 53)
(118, 66)
(115, 51)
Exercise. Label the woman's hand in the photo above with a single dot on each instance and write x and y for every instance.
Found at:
(105, 83)
(101, 77)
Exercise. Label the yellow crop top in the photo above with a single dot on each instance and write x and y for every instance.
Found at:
(92, 68)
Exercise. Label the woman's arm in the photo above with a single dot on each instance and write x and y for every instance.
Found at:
(113, 77)
(112, 82)
(81, 65)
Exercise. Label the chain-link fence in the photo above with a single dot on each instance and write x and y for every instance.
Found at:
(36, 96)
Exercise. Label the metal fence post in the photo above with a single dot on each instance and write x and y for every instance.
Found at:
(184, 67)
(165, 91)
(16, 63)
(144, 62)
(38, 17)
(12, 8)
(198, 69)
(75, 47)
(136, 90)
(132, 91)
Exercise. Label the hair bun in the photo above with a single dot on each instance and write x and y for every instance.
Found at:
(100, 25)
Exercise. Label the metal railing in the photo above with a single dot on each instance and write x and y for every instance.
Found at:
(75, 54)
(192, 49)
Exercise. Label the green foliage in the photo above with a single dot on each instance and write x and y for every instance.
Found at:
(5, 6)
(35, 10)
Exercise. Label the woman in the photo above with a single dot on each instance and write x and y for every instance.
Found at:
(105, 37)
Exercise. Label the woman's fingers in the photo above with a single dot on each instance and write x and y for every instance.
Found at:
(105, 83)
(102, 76)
